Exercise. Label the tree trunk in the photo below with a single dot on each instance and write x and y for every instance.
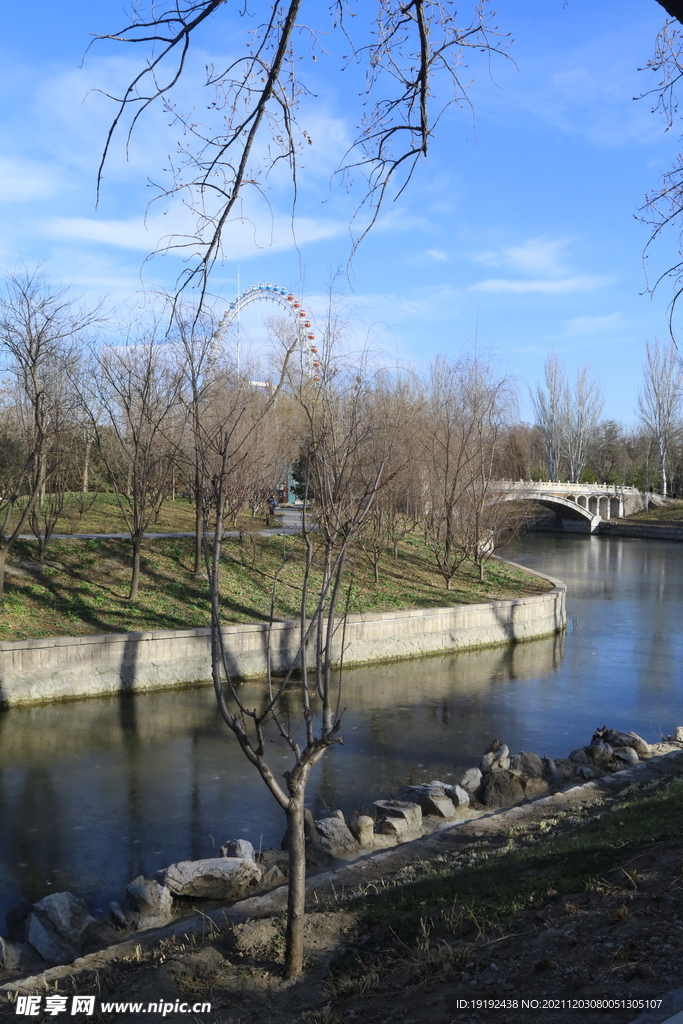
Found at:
(197, 523)
(135, 578)
(296, 891)
(3, 559)
(85, 478)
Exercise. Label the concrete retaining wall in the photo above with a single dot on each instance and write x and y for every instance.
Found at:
(648, 531)
(33, 671)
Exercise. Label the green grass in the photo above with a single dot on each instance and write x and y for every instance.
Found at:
(83, 587)
(101, 513)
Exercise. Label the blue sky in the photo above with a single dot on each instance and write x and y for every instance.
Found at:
(518, 231)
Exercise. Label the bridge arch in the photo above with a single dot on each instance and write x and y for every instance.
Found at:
(565, 507)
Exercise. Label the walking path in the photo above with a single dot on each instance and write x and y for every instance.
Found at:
(289, 516)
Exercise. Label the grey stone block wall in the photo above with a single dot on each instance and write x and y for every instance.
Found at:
(33, 671)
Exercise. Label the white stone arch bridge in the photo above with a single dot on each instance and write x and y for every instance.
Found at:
(580, 507)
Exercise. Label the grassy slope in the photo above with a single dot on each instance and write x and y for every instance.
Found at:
(667, 515)
(101, 513)
(82, 588)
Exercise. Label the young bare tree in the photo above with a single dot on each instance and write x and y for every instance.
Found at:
(39, 331)
(659, 401)
(197, 356)
(392, 403)
(413, 54)
(137, 386)
(483, 518)
(334, 434)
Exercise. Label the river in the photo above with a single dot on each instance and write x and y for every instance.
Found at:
(95, 792)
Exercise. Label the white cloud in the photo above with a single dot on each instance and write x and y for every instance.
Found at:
(580, 282)
(535, 256)
(582, 325)
(436, 254)
(241, 239)
(23, 181)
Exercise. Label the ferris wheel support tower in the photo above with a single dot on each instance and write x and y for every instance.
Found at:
(282, 297)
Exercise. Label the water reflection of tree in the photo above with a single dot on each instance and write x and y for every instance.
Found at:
(36, 839)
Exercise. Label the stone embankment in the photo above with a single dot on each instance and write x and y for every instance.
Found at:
(57, 937)
(643, 530)
(63, 668)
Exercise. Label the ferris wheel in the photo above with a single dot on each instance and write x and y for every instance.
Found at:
(282, 296)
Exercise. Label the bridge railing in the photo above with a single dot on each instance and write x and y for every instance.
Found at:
(562, 488)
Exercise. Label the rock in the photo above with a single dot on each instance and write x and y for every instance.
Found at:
(217, 878)
(551, 773)
(580, 756)
(363, 828)
(641, 748)
(98, 935)
(238, 848)
(588, 771)
(273, 876)
(528, 765)
(19, 956)
(431, 798)
(10, 955)
(317, 853)
(564, 768)
(471, 782)
(677, 736)
(496, 758)
(67, 914)
(501, 789)
(535, 787)
(403, 809)
(16, 918)
(48, 943)
(394, 827)
(118, 914)
(338, 814)
(458, 795)
(147, 904)
(335, 837)
(382, 842)
(626, 754)
(601, 753)
(623, 739)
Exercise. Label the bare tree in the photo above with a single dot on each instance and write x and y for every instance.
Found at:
(137, 387)
(197, 356)
(482, 517)
(580, 416)
(413, 53)
(39, 329)
(334, 435)
(550, 403)
(659, 400)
